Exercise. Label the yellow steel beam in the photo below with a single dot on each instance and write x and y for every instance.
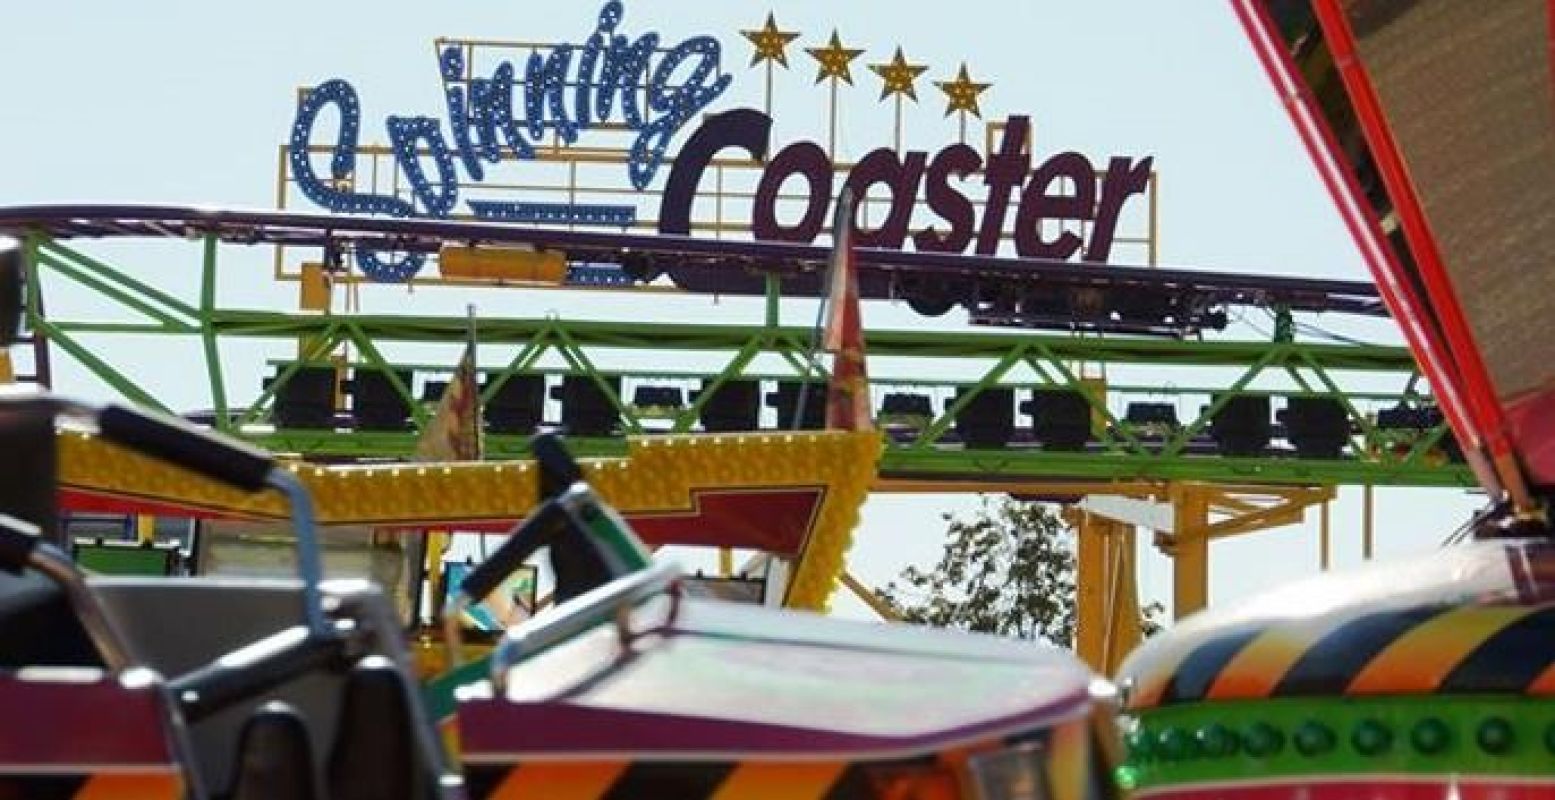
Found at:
(1090, 635)
(1123, 621)
(1241, 499)
(1190, 551)
(1256, 521)
(868, 596)
(1024, 486)
(1250, 507)
(1288, 511)
(1226, 503)
(1107, 601)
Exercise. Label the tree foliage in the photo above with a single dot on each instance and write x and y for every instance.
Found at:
(1008, 569)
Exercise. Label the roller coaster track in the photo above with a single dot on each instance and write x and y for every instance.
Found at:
(966, 369)
(649, 255)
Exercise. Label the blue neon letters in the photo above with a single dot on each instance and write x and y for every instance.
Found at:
(608, 73)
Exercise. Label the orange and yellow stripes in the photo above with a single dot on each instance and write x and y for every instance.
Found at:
(560, 780)
(1256, 670)
(1421, 659)
(780, 781)
(1486, 647)
(131, 786)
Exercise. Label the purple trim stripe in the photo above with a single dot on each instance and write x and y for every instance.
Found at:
(98, 724)
(497, 731)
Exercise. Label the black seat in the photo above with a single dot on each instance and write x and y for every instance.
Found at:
(38, 628)
(375, 755)
(218, 615)
(275, 757)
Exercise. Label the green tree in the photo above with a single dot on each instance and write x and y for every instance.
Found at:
(1008, 569)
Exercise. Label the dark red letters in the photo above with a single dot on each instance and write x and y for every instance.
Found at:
(1006, 171)
(902, 177)
(1120, 183)
(1064, 187)
(745, 128)
(806, 159)
(1036, 204)
(949, 203)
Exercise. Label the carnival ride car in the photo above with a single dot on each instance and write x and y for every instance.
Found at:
(83, 662)
(302, 689)
(1430, 122)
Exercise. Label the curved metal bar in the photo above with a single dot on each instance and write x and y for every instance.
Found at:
(569, 619)
(310, 567)
(58, 567)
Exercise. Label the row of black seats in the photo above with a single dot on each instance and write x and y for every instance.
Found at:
(1064, 420)
(373, 756)
(1317, 427)
(306, 400)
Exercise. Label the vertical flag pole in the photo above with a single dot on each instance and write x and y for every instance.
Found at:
(477, 428)
(842, 224)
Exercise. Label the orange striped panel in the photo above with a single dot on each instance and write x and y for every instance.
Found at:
(1152, 684)
(1262, 663)
(1545, 683)
(790, 781)
(131, 786)
(1418, 661)
(584, 780)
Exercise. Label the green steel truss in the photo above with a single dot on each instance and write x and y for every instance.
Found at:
(1173, 372)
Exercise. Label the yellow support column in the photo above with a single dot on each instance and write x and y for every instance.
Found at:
(1123, 632)
(438, 540)
(313, 294)
(1106, 602)
(7, 371)
(1090, 636)
(145, 528)
(1190, 550)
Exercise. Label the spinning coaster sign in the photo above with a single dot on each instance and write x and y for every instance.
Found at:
(613, 83)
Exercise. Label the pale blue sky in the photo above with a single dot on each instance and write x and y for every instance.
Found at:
(186, 102)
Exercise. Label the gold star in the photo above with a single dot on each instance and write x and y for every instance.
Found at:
(834, 60)
(898, 76)
(961, 93)
(769, 42)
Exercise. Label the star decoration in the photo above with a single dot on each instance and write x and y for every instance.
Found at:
(961, 93)
(834, 60)
(769, 42)
(898, 76)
